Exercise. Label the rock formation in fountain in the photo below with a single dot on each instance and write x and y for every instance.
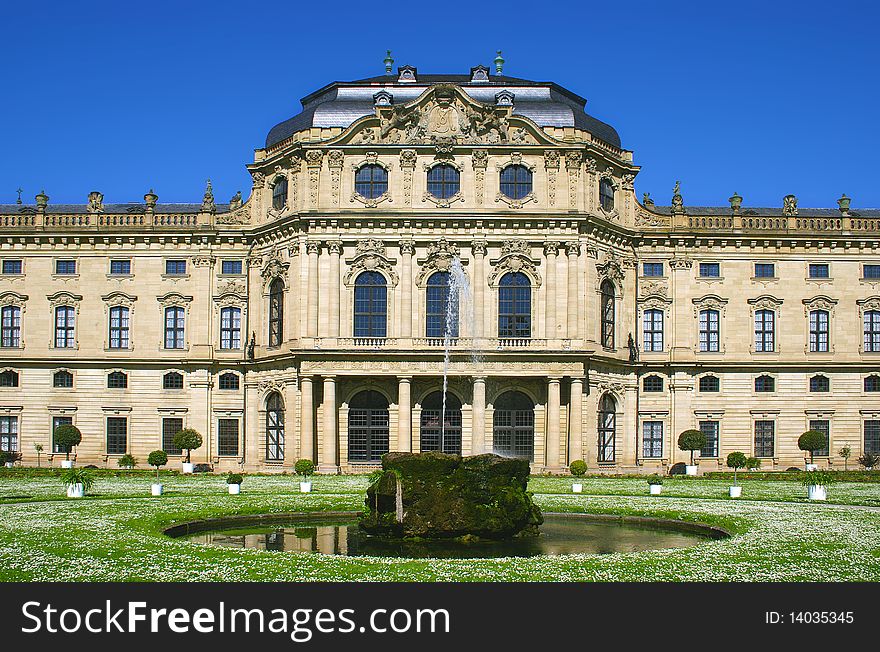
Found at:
(439, 496)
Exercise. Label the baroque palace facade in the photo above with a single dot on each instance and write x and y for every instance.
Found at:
(313, 319)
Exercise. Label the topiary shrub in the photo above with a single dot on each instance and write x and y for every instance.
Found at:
(845, 453)
(736, 460)
(753, 463)
(305, 468)
(188, 440)
(157, 458)
(812, 441)
(67, 436)
(127, 461)
(578, 468)
(691, 440)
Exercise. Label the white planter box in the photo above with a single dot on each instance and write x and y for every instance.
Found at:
(812, 467)
(577, 487)
(66, 464)
(9, 465)
(75, 491)
(690, 469)
(234, 489)
(305, 487)
(736, 492)
(156, 489)
(655, 489)
(817, 492)
(187, 467)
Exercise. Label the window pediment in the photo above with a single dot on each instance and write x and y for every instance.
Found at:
(765, 302)
(370, 255)
(710, 302)
(119, 299)
(820, 302)
(515, 257)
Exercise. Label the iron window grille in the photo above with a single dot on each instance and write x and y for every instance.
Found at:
(710, 432)
(764, 438)
(823, 426)
(170, 427)
(117, 435)
(227, 437)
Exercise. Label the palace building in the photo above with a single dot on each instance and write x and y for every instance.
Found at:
(410, 228)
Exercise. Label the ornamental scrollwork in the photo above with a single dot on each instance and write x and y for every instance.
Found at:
(439, 259)
(515, 257)
(765, 302)
(370, 256)
(710, 302)
(820, 302)
(274, 267)
(611, 269)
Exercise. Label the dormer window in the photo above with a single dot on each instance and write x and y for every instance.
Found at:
(504, 98)
(407, 74)
(479, 74)
(383, 98)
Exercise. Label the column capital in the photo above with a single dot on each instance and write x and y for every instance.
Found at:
(404, 379)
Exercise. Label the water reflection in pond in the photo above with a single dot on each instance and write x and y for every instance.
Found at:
(560, 535)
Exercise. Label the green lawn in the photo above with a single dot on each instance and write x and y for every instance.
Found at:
(116, 532)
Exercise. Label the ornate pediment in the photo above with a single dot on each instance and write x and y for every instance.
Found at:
(611, 269)
(515, 257)
(274, 267)
(443, 115)
(710, 302)
(765, 302)
(439, 259)
(369, 256)
(820, 302)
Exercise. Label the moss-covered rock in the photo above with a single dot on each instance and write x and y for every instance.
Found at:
(435, 495)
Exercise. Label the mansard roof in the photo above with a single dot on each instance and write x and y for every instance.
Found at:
(339, 104)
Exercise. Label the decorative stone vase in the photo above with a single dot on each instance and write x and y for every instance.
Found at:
(843, 203)
(577, 487)
(155, 489)
(736, 491)
(656, 489)
(187, 467)
(66, 464)
(811, 467)
(76, 491)
(817, 492)
(690, 469)
(234, 489)
(305, 487)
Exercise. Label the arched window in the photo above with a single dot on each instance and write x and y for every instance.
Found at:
(820, 383)
(441, 313)
(11, 324)
(367, 427)
(513, 426)
(62, 379)
(516, 181)
(652, 383)
(444, 181)
(607, 313)
(709, 340)
(9, 378)
(279, 193)
(447, 438)
(872, 331)
(174, 327)
(765, 331)
(653, 330)
(371, 181)
(370, 305)
(819, 331)
(230, 328)
(514, 306)
(872, 383)
(119, 327)
(765, 384)
(172, 380)
(274, 427)
(276, 312)
(607, 428)
(709, 384)
(117, 380)
(228, 380)
(606, 195)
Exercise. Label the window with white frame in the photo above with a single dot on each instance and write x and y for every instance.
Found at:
(652, 321)
(709, 331)
(230, 328)
(652, 439)
(765, 331)
(9, 434)
(765, 438)
(119, 327)
(819, 342)
(709, 428)
(65, 327)
(10, 317)
(872, 331)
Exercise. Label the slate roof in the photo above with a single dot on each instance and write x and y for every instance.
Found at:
(339, 104)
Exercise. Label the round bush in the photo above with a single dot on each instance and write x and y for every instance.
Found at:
(304, 467)
(157, 459)
(67, 436)
(691, 440)
(234, 478)
(127, 461)
(812, 441)
(188, 440)
(578, 468)
(737, 460)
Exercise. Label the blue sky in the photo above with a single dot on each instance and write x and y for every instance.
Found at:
(763, 98)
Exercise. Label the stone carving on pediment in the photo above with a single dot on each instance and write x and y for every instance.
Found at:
(203, 261)
(617, 389)
(681, 262)
(710, 302)
(119, 299)
(765, 302)
(274, 267)
(173, 299)
(820, 302)
(62, 298)
(871, 303)
(515, 257)
(14, 299)
(611, 268)
(653, 288)
(646, 218)
(241, 215)
(439, 259)
(370, 255)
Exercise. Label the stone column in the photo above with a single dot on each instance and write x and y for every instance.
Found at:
(404, 414)
(552, 448)
(328, 462)
(478, 438)
(407, 248)
(574, 309)
(575, 421)
(335, 249)
(550, 250)
(312, 297)
(481, 310)
(306, 419)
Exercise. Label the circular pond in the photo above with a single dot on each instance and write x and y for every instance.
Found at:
(561, 534)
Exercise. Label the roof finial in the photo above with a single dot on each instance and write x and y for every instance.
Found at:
(18, 201)
(499, 63)
(389, 62)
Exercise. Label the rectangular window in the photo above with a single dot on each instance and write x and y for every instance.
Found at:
(819, 331)
(117, 435)
(59, 421)
(170, 427)
(230, 267)
(65, 327)
(11, 327)
(652, 269)
(765, 270)
(818, 270)
(652, 439)
(764, 438)
(823, 426)
(765, 331)
(868, 271)
(230, 328)
(709, 330)
(65, 267)
(12, 267)
(119, 327)
(120, 267)
(653, 330)
(710, 270)
(872, 436)
(9, 434)
(174, 327)
(227, 437)
(175, 267)
(872, 331)
(710, 432)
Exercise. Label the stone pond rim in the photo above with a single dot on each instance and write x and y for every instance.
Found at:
(440, 496)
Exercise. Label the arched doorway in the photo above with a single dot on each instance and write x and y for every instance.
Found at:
(274, 427)
(367, 427)
(607, 428)
(513, 426)
(434, 438)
